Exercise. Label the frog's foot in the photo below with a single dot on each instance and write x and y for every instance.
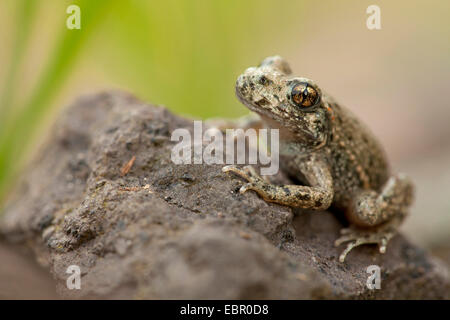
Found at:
(356, 237)
(255, 182)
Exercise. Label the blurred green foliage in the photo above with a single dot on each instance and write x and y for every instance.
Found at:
(185, 55)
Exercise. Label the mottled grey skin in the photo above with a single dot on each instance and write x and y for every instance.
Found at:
(328, 150)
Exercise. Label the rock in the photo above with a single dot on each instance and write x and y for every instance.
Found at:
(443, 252)
(104, 195)
(21, 277)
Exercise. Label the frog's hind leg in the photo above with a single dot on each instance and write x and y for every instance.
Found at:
(379, 214)
(370, 208)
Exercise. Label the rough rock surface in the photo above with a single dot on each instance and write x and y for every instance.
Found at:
(182, 231)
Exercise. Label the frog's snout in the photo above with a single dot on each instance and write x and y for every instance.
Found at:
(246, 79)
(241, 86)
(243, 81)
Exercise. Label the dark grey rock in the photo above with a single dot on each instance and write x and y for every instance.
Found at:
(182, 231)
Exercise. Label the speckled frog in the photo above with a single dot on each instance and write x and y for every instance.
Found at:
(333, 156)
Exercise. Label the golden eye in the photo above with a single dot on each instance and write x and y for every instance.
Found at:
(304, 95)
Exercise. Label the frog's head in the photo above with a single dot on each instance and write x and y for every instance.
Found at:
(293, 104)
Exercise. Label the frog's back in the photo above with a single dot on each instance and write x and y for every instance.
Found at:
(356, 158)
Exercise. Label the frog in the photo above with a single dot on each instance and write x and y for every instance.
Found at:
(334, 159)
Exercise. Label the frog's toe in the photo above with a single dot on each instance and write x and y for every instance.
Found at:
(246, 187)
(346, 231)
(254, 181)
(229, 168)
(356, 238)
(248, 173)
(251, 171)
(342, 240)
(240, 172)
(350, 246)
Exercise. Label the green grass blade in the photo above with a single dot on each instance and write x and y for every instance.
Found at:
(26, 12)
(20, 129)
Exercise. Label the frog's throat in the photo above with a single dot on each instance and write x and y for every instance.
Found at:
(300, 136)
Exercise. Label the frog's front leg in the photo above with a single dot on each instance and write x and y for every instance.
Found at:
(317, 196)
(379, 215)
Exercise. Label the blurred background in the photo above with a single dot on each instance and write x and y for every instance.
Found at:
(186, 56)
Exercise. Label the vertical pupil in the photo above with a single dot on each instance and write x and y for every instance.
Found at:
(305, 92)
(304, 95)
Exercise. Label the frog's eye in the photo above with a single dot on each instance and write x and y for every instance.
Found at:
(304, 95)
